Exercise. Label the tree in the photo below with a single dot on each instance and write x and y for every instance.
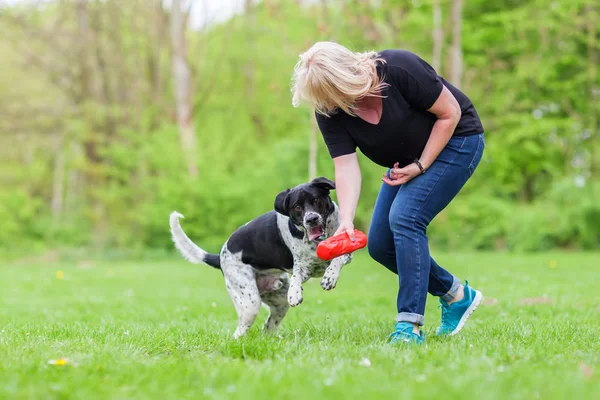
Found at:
(438, 37)
(313, 136)
(313, 133)
(456, 61)
(91, 148)
(592, 21)
(182, 81)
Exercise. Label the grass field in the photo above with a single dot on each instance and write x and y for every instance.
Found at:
(137, 330)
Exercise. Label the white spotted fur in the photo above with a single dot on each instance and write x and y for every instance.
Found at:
(249, 288)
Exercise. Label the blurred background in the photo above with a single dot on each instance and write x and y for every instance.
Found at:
(114, 113)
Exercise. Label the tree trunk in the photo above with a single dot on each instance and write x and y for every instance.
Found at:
(58, 187)
(83, 24)
(250, 25)
(85, 92)
(313, 134)
(255, 116)
(103, 76)
(183, 86)
(456, 69)
(438, 37)
(312, 147)
(155, 54)
(75, 182)
(591, 13)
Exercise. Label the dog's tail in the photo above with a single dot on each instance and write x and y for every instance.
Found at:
(187, 248)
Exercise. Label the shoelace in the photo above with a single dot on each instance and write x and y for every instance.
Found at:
(445, 311)
(402, 333)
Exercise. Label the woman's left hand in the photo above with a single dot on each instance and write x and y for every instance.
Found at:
(401, 175)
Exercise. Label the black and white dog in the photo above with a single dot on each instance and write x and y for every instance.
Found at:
(257, 258)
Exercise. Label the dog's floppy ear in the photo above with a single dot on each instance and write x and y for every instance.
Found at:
(281, 202)
(323, 183)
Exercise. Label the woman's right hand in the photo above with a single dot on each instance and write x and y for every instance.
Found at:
(346, 227)
(347, 186)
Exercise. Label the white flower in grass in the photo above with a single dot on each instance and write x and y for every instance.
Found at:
(365, 362)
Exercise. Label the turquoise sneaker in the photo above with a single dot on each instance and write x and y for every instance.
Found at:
(455, 315)
(404, 334)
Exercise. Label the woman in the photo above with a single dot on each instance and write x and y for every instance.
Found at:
(395, 108)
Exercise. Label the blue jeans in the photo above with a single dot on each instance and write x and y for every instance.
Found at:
(397, 236)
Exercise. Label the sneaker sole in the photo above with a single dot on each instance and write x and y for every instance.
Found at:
(476, 302)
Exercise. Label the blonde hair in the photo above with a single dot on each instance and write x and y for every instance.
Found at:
(329, 76)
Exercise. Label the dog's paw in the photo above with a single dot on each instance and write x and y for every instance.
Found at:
(295, 296)
(329, 279)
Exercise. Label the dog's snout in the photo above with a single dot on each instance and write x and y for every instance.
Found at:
(312, 219)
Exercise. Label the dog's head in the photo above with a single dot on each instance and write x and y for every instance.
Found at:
(308, 206)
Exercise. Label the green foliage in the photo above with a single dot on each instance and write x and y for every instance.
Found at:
(18, 212)
(566, 217)
(529, 69)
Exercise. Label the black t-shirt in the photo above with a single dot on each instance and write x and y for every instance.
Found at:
(405, 125)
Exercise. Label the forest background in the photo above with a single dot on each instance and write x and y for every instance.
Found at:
(115, 113)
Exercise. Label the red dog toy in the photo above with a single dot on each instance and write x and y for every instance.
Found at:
(341, 244)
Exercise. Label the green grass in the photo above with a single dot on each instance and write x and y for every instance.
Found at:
(137, 330)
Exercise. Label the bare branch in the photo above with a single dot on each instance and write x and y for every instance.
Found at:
(438, 36)
(456, 50)
(183, 87)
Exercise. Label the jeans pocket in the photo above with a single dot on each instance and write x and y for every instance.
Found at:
(478, 154)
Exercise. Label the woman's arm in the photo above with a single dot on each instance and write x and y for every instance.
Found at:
(447, 111)
(347, 185)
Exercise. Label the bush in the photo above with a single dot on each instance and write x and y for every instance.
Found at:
(568, 217)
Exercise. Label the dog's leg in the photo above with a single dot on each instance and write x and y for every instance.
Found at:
(332, 273)
(241, 285)
(300, 274)
(278, 305)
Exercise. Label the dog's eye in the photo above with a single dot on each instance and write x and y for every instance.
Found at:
(298, 208)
